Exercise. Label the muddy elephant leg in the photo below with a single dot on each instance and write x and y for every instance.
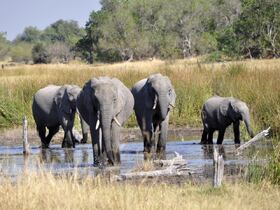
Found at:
(42, 134)
(210, 136)
(204, 136)
(67, 125)
(85, 130)
(68, 139)
(147, 132)
(97, 146)
(52, 131)
(163, 129)
(236, 132)
(116, 142)
(221, 136)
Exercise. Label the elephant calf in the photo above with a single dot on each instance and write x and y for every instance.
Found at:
(218, 113)
(105, 104)
(154, 98)
(54, 106)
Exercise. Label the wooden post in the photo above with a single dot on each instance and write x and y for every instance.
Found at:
(218, 163)
(26, 147)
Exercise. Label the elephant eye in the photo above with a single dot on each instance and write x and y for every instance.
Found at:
(169, 92)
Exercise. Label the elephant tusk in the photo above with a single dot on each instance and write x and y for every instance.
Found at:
(173, 106)
(97, 124)
(100, 139)
(155, 102)
(118, 123)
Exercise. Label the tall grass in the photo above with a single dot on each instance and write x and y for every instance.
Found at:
(44, 191)
(255, 82)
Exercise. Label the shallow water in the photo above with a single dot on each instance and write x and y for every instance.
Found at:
(199, 158)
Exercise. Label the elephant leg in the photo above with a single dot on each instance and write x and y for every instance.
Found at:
(67, 140)
(85, 130)
(204, 136)
(42, 134)
(116, 142)
(52, 131)
(210, 136)
(221, 136)
(236, 132)
(147, 132)
(98, 148)
(67, 125)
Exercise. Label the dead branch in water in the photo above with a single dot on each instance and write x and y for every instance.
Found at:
(256, 138)
(175, 167)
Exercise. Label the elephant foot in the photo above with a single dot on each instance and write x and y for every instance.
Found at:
(160, 149)
(67, 145)
(83, 141)
(45, 146)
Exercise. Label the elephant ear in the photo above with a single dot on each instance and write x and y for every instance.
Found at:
(62, 100)
(121, 98)
(223, 108)
(234, 111)
(88, 92)
(149, 95)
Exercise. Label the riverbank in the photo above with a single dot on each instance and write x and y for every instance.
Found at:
(13, 136)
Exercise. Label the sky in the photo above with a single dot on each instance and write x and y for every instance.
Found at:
(15, 15)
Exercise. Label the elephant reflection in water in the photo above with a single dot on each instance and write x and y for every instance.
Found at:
(52, 156)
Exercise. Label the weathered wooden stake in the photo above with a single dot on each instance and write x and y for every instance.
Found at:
(218, 163)
(26, 147)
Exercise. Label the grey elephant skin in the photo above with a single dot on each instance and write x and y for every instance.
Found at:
(105, 104)
(220, 112)
(54, 106)
(154, 98)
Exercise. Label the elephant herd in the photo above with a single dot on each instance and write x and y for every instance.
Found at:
(104, 104)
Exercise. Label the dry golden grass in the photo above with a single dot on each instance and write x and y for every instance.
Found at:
(254, 81)
(44, 191)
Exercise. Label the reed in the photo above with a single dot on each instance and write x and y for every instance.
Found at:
(45, 191)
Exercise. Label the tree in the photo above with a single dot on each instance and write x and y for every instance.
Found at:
(59, 52)
(21, 52)
(68, 32)
(30, 34)
(39, 54)
(4, 46)
(256, 30)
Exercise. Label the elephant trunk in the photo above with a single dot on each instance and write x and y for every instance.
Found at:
(164, 106)
(246, 119)
(106, 120)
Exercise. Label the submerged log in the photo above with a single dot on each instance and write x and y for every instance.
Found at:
(174, 167)
(26, 146)
(218, 163)
(256, 138)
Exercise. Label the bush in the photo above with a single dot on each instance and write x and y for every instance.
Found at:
(40, 54)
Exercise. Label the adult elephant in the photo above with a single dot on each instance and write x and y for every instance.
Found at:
(55, 106)
(218, 113)
(105, 104)
(154, 98)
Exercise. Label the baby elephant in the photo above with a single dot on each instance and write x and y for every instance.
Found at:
(218, 113)
(54, 106)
